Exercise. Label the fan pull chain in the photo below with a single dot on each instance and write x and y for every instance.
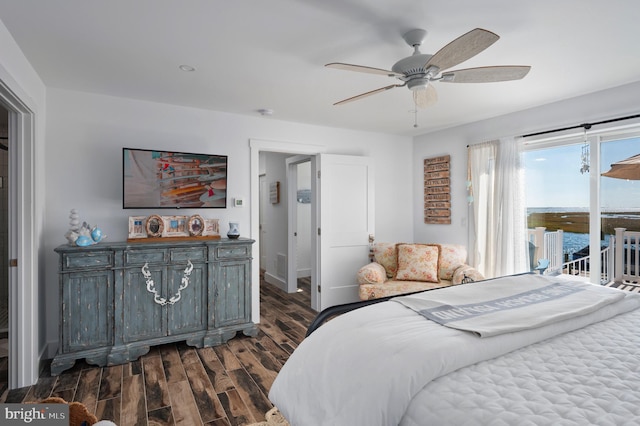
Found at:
(415, 117)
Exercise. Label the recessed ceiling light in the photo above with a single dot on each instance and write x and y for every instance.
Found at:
(265, 111)
(186, 68)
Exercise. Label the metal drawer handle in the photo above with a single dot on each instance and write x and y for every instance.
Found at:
(151, 285)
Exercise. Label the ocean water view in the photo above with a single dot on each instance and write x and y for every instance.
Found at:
(577, 218)
(573, 242)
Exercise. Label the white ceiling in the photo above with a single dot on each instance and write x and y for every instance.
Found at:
(253, 54)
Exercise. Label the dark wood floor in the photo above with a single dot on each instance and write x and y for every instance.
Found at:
(176, 384)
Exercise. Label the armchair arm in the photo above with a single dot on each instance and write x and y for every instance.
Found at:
(372, 273)
(465, 274)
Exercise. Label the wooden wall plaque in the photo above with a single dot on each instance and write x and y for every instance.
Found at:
(437, 190)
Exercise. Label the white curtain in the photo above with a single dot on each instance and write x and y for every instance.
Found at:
(497, 194)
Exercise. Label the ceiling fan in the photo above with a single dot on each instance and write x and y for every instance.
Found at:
(419, 70)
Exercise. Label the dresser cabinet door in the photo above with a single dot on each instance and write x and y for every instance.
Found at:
(87, 310)
(232, 296)
(143, 317)
(189, 313)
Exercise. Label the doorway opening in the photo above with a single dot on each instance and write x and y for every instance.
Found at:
(285, 222)
(260, 148)
(342, 221)
(4, 249)
(22, 247)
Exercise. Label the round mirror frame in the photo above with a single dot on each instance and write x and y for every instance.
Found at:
(154, 226)
(195, 225)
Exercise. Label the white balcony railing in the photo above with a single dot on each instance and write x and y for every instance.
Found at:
(581, 267)
(619, 262)
(627, 256)
(548, 245)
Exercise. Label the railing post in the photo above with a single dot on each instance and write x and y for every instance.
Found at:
(559, 246)
(619, 254)
(539, 242)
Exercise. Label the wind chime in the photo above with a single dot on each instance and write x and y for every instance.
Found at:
(584, 157)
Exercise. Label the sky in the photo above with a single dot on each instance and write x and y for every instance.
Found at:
(553, 177)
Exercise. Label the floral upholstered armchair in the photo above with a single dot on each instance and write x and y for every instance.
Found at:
(399, 268)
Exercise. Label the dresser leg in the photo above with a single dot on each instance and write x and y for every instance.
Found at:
(59, 364)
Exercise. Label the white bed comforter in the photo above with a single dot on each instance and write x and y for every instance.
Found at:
(588, 377)
(366, 367)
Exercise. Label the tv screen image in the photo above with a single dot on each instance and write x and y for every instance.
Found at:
(166, 179)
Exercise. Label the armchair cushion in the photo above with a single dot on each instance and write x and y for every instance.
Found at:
(372, 273)
(418, 262)
(452, 256)
(386, 254)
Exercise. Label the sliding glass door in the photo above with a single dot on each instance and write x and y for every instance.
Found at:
(557, 195)
(567, 192)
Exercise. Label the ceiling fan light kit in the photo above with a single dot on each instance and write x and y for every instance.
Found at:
(420, 70)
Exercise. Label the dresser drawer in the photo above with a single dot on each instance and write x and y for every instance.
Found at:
(197, 254)
(233, 252)
(90, 259)
(140, 257)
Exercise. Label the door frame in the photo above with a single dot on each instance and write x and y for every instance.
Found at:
(292, 219)
(24, 296)
(256, 146)
(262, 201)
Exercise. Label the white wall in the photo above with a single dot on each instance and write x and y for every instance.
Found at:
(86, 133)
(616, 102)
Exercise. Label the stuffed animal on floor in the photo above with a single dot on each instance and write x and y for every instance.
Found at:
(79, 415)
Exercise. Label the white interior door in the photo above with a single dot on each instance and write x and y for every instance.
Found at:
(345, 221)
(292, 226)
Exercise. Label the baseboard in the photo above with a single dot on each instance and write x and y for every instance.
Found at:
(45, 357)
(50, 350)
(303, 273)
(276, 281)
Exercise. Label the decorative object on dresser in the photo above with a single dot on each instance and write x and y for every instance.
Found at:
(172, 228)
(195, 225)
(175, 226)
(82, 235)
(211, 228)
(119, 299)
(154, 226)
(233, 232)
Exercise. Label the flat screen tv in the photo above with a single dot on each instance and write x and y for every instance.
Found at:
(165, 179)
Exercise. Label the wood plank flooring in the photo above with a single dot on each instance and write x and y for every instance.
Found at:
(176, 384)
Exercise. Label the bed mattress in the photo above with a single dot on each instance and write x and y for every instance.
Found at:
(588, 377)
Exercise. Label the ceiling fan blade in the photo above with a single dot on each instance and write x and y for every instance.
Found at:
(464, 47)
(425, 97)
(364, 95)
(361, 68)
(486, 74)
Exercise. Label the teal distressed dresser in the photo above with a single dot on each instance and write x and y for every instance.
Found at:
(119, 299)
